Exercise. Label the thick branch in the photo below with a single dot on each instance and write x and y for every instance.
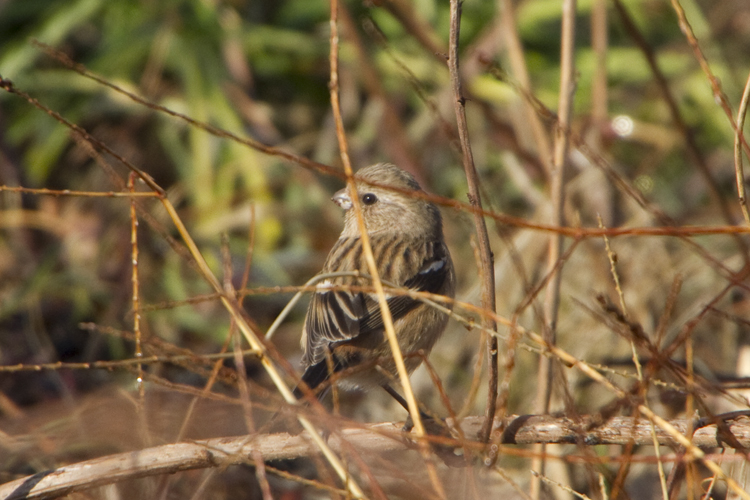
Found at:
(525, 429)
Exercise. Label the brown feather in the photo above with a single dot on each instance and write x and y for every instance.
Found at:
(406, 237)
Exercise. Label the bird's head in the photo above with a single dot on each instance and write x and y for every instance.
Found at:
(386, 210)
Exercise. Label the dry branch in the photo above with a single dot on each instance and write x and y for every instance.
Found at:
(382, 437)
(486, 262)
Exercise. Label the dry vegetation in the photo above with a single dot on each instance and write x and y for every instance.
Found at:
(198, 141)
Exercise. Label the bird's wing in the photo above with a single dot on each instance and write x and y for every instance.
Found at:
(430, 278)
(339, 315)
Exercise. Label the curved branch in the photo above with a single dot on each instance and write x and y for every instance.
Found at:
(378, 438)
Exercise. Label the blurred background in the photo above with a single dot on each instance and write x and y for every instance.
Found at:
(649, 148)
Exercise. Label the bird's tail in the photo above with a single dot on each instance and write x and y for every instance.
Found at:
(317, 374)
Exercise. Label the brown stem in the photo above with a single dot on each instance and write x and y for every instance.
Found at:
(521, 73)
(719, 95)
(552, 293)
(599, 43)
(738, 140)
(485, 251)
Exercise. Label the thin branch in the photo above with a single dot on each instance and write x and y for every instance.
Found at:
(385, 311)
(577, 232)
(719, 95)
(70, 192)
(109, 365)
(562, 143)
(485, 251)
(136, 297)
(564, 488)
(521, 73)
(600, 45)
(253, 339)
(15, 217)
(691, 449)
(421, 31)
(140, 402)
(239, 359)
(738, 140)
(216, 131)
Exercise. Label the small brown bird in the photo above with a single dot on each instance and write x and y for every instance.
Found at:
(406, 235)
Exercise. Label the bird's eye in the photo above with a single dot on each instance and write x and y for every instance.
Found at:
(369, 199)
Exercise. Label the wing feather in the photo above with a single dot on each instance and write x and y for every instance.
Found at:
(337, 316)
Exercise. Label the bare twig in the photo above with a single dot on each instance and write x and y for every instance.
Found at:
(239, 359)
(367, 249)
(517, 222)
(599, 44)
(140, 402)
(421, 31)
(253, 339)
(135, 297)
(88, 194)
(576, 232)
(719, 95)
(108, 365)
(218, 132)
(738, 140)
(390, 331)
(611, 256)
(691, 449)
(521, 73)
(485, 252)
(562, 142)
(566, 489)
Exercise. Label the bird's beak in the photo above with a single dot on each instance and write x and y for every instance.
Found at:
(342, 199)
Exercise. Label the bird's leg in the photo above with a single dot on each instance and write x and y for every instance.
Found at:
(395, 395)
(434, 428)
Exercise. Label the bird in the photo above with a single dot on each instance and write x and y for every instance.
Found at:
(344, 328)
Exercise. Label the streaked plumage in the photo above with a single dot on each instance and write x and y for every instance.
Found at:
(406, 236)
